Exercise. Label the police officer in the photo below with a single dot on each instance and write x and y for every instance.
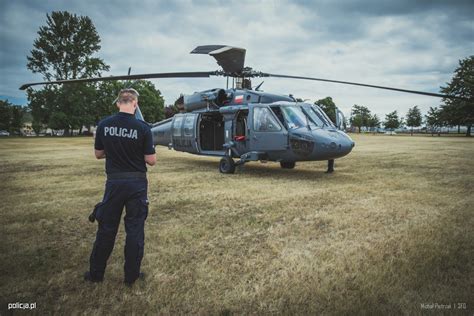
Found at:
(126, 144)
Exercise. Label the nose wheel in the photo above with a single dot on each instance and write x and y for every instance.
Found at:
(227, 165)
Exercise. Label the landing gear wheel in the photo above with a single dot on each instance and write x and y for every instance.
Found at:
(287, 164)
(227, 165)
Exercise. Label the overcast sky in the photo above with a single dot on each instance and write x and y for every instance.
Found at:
(406, 44)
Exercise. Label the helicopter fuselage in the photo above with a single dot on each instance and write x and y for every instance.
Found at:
(279, 130)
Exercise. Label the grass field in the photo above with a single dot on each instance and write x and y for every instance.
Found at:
(391, 229)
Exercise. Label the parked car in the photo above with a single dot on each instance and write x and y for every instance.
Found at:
(4, 133)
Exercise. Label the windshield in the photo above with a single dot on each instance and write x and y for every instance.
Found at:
(322, 115)
(295, 118)
(316, 118)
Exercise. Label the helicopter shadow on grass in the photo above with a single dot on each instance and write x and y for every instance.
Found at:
(267, 170)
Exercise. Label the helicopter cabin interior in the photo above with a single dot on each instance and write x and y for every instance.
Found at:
(211, 132)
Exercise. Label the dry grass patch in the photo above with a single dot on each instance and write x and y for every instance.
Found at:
(392, 228)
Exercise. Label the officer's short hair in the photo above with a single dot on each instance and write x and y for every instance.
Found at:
(127, 95)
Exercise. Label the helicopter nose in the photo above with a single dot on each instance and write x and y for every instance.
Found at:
(346, 143)
(341, 145)
(331, 144)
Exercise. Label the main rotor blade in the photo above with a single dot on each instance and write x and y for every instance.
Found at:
(202, 74)
(368, 85)
(230, 58)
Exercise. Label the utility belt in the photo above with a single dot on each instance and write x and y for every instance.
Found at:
(126, 175)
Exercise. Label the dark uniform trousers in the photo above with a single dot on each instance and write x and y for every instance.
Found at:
(131, 193)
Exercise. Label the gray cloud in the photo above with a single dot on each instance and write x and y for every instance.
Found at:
(408, 44)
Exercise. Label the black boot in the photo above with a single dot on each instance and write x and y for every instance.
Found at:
(141, 276)
(88, 277)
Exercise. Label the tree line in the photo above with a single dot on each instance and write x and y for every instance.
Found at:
(362, 117)
(11, 117)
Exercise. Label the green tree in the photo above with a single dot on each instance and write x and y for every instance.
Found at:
(328, 106)
(64, 50)
(41, 104)
(360, 116)
(27, 117)
(16, 122)
(67, 107)
(106, 94)
(59, 120)
(77, 102)
(392, 121)
(5, 115)
(414, 118)
(11, 116)
(460, 111)
(150, 101)
(373, 122)
(178, 106)
(451, 116)
(65, 47)
(434, 120)
(170, 110)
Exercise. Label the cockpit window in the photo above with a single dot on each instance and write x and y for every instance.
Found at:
(264, 121)
(322, 115)
(295, 118)
(304, 115)
(314, 117)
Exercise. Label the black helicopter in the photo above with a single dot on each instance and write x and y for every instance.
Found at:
(247, 124)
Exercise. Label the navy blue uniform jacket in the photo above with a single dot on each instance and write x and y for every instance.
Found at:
(125, 140)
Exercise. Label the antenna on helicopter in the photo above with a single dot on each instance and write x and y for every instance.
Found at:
(130, 83)
(258, 87)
